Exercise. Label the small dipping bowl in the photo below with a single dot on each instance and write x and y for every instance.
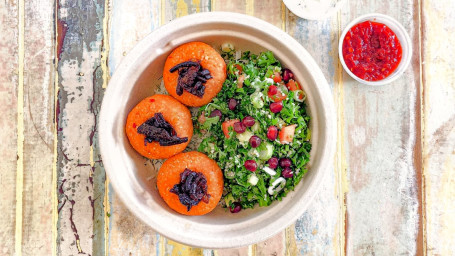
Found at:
(402, 36)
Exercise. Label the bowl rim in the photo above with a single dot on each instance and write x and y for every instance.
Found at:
(326, 155)
(406, 45)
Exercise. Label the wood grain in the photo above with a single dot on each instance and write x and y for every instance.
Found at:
(80, 173)
(320, 229)
(38, 128)
(438, 64)
(381, 130)
(130, 22)
(9, 78)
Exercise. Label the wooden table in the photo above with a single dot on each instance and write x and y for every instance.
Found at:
(391, 190)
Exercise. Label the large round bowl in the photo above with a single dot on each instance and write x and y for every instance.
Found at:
(134, 177)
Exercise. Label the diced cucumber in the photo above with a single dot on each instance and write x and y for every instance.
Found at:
(255, 127)
(244, 137)
(265, 151)
(254, 153)
(256, 99)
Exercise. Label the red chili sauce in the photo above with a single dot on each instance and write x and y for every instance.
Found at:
(371, 51)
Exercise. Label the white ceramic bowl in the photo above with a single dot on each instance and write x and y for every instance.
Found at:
(314, 9)
(134, 177)
(402, 35)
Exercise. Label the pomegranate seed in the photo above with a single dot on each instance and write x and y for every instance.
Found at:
(273, 163)
(251, 165)
(232, 104)
(273, 90)
(248, 121)
(276, 107)
(235, 208)
(287, 173)
(272, 132)
(287, 75)
(255, 141)
(239, 127)
(285, 162)
(217, 113)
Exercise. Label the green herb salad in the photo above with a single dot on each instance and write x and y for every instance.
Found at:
(256, 129)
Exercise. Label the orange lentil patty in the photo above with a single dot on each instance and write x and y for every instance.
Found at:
(176, 114)
(209, 59)
(169, 176)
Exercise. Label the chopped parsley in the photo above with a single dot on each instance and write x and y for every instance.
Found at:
(240, 187)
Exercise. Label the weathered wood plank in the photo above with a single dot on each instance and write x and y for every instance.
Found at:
(38, 128)
(233, 252)
(173, 9)
(130, 22)
(320, 229)
(381, 131)
(80, 173)
(438, 62)
(9, 46)
(270, 11)
(272, 246)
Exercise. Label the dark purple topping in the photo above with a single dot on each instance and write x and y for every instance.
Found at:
(287, 75)
(255, 141)
(251, 165)
(248, 121)
(276, 107)
(192, 78)
(192, 188)
(285, 162)
(157, 129)
(273, 163)
(239, 127)
(287, 173)
(272, 132)
(232, 103)
(235, 208)
(217, 113)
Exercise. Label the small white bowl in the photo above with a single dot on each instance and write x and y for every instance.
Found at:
(314, 9)
(402, 35)
(134, 177)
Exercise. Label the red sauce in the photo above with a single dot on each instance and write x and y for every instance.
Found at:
(371, 51)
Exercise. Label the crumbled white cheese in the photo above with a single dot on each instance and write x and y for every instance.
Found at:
(268, 80)
(253, 179)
